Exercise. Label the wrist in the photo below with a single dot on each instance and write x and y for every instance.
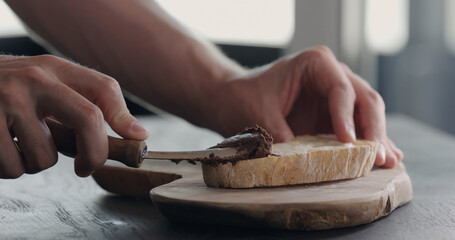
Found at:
(246, 97)
(213, 98)
(211, 87)
(228, 103)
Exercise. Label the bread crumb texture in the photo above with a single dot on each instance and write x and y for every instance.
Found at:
(306, 159)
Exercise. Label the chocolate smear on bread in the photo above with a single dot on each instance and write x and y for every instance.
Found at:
(252, 142)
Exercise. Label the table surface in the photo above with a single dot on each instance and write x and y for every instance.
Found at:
(56, 204)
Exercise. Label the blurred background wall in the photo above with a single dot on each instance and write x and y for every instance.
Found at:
(405, 49)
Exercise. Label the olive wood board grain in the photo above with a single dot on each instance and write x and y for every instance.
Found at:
(137, 182)
(179, 193)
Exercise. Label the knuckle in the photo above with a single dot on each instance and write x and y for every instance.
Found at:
(35, 76)
(120, 117)
(345, 67)
(9, 88)
(109, 84)
(33, 72)
(316, 53)
(48, 59)
(375, 98)
(93, 115)
(29, 78)
(323, 49)
(345, 87)
(14, 98)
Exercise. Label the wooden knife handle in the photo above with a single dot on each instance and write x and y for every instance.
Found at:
(129, 152)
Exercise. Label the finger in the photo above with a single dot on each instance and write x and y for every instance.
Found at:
(341, 108)
(278, 127)
(333, 81)
(11, 165)
(106, 93)
(398, 153)
(391, 159)
(380, 155)
(372, 121)
(5, 57)
(35, 142)
(74, 111)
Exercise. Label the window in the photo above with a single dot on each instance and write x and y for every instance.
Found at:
(449, 25)
(387, 25)
(10, 25)
(251, 22)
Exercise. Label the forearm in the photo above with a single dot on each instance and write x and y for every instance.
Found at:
(148, 52)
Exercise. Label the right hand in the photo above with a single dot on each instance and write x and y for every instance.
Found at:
(306, 93)
(35, 88)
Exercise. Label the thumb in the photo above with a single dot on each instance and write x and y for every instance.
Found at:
(117, 115)
(112, 103)
(124, 124)
(106, 93)
(115, 112)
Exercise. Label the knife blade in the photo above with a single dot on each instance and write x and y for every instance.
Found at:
(132, 152)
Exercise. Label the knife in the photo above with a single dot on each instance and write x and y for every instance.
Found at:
(133, 152)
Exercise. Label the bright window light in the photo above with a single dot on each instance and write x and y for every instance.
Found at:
(10, 25)
(387, 25)
(251, 22)
(351, 30)
(449, 25)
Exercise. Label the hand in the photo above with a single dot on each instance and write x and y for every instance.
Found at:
(307, 93)
(35, 88)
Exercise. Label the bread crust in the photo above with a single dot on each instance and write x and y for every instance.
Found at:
(306, 159)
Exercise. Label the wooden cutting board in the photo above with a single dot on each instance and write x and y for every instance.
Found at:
(180, 194)
(137, 182)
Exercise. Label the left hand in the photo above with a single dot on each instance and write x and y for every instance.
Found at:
(307, 93)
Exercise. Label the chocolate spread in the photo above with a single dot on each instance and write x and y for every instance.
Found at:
(256, 141)
(252, 142)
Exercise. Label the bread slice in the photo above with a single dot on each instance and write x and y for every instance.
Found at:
(306, 159)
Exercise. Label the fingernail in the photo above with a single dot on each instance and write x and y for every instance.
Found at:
(136, 127)
(351, 132)
(381, 152)
(400, 153)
